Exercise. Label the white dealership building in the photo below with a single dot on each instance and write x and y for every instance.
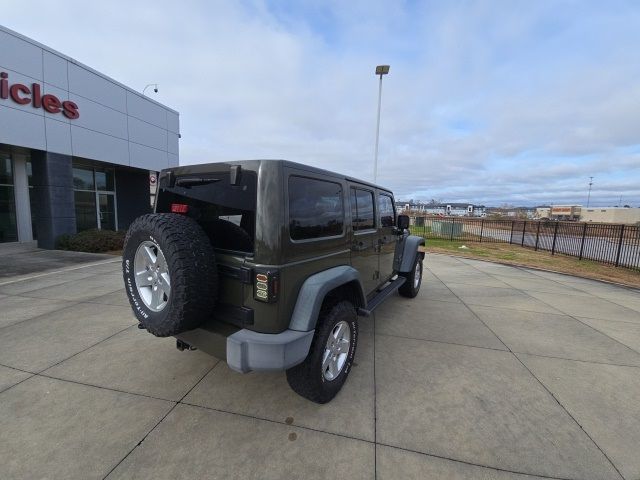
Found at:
(76, 147)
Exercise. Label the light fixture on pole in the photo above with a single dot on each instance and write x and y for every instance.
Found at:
(380, 70)
(589, 195)
(154, 85)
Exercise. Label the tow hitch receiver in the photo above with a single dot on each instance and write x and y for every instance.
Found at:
(182, 346)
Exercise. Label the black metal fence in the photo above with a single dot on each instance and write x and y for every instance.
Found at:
(617, 245)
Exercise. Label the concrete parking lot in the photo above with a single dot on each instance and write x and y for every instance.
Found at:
(492, 372)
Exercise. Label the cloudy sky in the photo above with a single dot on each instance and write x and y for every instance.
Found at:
(490, 102)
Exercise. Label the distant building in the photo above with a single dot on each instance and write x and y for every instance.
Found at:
(565, 212)
(512, 212)
(611, 215)
(443, 209)
(542, 212)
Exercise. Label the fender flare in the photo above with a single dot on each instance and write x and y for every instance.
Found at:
(315, 288)
(411, 244)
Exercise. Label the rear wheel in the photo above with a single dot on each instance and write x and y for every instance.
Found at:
(411, 287)
(321, 376)
(169, 273)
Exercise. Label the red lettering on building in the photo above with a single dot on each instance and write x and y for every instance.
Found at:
(22, 95)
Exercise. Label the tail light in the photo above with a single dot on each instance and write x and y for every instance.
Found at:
(266, 285)
(179, 208)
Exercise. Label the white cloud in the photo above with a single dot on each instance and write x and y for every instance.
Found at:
(490, 102)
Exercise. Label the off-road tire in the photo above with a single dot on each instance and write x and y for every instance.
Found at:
(307, 379)
(409, 288)
(191, 266)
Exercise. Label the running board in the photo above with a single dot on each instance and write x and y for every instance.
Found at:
(381, 296)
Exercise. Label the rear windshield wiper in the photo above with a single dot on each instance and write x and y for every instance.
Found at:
(191, 181)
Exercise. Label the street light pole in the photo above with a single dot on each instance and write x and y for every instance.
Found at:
(380, 70)
(589, 195)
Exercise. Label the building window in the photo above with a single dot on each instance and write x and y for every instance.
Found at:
(315, 208)
(32, 200)
(8, 224)
(95, 198)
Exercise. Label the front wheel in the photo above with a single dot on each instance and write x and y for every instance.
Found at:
(411, 287)
(321, 376)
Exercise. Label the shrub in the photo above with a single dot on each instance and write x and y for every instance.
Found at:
(92, 241)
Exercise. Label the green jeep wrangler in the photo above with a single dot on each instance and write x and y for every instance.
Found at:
(267, 264)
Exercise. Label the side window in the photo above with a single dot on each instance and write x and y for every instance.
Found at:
(362, 209)
(387, 215)
(315, 208)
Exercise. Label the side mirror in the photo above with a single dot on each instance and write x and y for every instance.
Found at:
(403, 222)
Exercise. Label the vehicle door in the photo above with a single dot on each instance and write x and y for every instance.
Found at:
(364, 246)
(387, 238)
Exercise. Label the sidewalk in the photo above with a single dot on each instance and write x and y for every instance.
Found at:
(492, 372)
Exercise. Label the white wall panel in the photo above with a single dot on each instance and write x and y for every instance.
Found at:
(58, 136)
(20, 56)
(27, 81)
(20, 127)
(140, 107)
(146, 134)
(146, 157)
(98, 146)
(174, 144)
(62, 95)
(55, 70)
(116, 124)
(100, 118)
(89, 85)
(173, 122)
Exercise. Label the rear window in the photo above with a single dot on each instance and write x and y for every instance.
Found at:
(226, 212)
(315, 208)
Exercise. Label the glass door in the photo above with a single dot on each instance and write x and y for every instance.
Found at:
(107, 211)
(8, 224)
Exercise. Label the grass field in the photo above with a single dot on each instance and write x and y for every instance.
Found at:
(517, 255)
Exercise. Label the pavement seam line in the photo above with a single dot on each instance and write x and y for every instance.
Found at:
(572, 417)
(277, 422)
(267, 420)
(102, 387)
(74, 303)
(443, 342)
(553, 396)
(526, 269)
(21, 381)
(253, 417)
(507, 351)
(53, 272)
(522, 269)
(89, 300)
(22, 294)
(36, 317)
(473, 313)
(464, 462)
(84, 350)
(175, 404)
(575, 317)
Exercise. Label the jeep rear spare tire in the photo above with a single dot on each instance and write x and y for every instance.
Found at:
(169, 273)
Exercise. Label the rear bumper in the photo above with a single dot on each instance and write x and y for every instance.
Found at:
(248, 350)
(245, 350)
